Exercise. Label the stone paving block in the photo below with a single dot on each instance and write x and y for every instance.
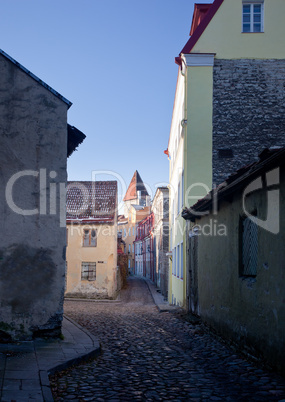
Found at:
(21, 396)
(11, 384)
(23, 375)
(44, 379)
(2, 362)
(47, 394)
(34, 385)
(30, 365)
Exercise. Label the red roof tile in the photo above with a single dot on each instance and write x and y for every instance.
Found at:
(91, 201)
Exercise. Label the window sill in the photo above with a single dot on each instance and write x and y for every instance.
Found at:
(252, 32)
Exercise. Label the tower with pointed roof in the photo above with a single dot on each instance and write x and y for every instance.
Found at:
(136, 208)
(136, 194)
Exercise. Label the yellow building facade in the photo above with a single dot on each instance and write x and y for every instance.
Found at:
(92, 240)
(230, 70)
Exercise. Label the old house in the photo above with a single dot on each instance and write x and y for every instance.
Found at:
(35, 142)
(136, 208)
(144, 248)
(91, 223)
(160, 209)
(229, 105)
(236, 258)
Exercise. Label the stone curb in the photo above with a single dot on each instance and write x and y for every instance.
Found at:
(75, 344)
(79, 359)
(91, 300)
(158, 300)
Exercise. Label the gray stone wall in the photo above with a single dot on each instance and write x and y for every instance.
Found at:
(247, 310)
(33, 135)
(248, 112)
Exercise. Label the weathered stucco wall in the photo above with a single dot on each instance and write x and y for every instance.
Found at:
(248, 111)
(248, 310)
(104, 255)
(32, 247)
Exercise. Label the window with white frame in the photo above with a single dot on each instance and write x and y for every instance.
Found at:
(178, 258)
(88, 271)
(181, 260)
(252, 16)
(174, 261)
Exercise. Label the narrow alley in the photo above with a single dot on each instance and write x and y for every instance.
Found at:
(152, 356)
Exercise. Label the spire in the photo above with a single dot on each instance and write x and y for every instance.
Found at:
(135, 185)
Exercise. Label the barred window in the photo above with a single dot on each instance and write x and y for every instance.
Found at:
(249, 247)
(88, 271)
(89, 238)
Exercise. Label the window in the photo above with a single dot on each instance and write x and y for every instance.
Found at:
(130, 231)
(178, 258)
(88, 271)
(133, 230)
(125, 233)
(225, 153)
(178, 198)
(129, 248)
(89, 238)
(252, 17)
(182, 189)
(133, 248)
(174, 261)
(249, 247)
(181, 261)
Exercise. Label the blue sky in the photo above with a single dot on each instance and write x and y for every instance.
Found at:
(114, 60)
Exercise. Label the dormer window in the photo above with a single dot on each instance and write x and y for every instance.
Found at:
(252, 16)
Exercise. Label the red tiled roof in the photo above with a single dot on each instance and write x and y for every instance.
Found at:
(135, 185)
(89, 201)
(199, 29)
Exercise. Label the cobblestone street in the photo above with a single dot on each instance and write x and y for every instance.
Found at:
(152, 356)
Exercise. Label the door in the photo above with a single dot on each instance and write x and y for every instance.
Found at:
(193, 296)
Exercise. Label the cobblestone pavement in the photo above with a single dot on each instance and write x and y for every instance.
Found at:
(151, 356)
